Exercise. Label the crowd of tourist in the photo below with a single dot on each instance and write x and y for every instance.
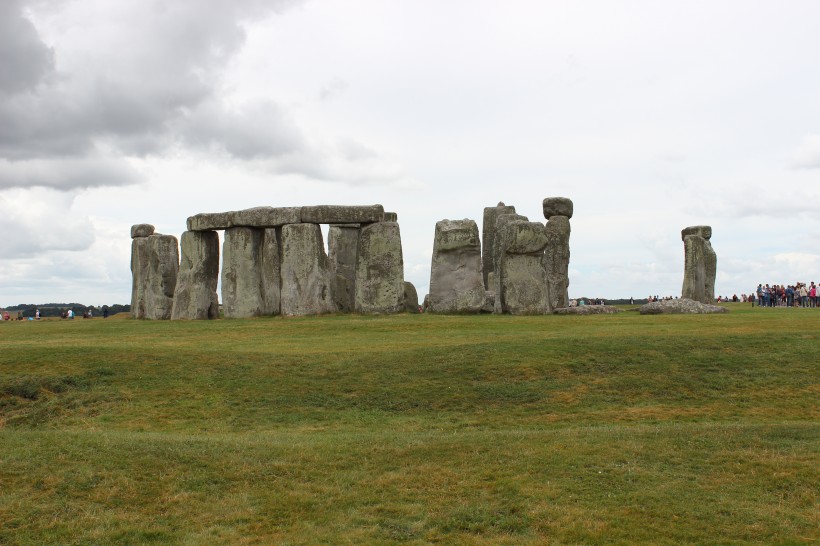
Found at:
(792, 295)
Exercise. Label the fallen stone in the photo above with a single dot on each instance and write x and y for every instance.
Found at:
(456, 283)
(557, 206)
(141, 230)
(195, 294)
(556, 261)
(587, 310)
(411, 298)
(380, 270)
(680, 306)
(306, 272)
(488, 228)
(338, 214)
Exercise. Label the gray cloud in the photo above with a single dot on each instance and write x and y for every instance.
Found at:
(66, 173)
(25, 59)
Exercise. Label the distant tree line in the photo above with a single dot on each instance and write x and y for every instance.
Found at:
(55, 309)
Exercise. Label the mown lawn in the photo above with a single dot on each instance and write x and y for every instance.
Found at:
(412, 429)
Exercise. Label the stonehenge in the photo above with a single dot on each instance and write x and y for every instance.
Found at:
(700, 265)
(274, 263)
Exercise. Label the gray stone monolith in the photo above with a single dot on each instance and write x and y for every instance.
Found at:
(700, 265)
(411, 298)
(380, 269)
(242, 294)
(520, 276)
(556, 261)
(306, 272)
(488, 228)
(154, 269)
(456, 283)
(343, 247)
(271, 280)
(195, 294)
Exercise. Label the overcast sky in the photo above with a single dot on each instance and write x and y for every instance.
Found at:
(651, 116)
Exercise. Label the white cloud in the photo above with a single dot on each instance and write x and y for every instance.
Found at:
(807, 155)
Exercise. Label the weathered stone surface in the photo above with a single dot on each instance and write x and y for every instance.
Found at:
(195, 294)
(209, 221)
(489, 302)
(390, 217)
(700, 267)
(306, 272)
(456, 284)
(343, 247)
(242, 294)
(556, 261)
(557, 206)
(411, 298)
(339, 214)
(266, 217)
(154, 268)
(520, 276)
(271, 271)
(380, 269)
(258, 217)
(141, 230)
(700, 231)
(587, 310)
(501, 220)
(680, 306)
(488, 238)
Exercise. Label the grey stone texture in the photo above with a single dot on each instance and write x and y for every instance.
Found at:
(380, 270)
(259, 217)
(154, 269)
(587, 310)
(390, 217)
(339, 214)
(680, 306)
(271, 280)
(488, 228)
(456, 283)
(411, 298)
(307, 276)
(242, 294)
(195, 294)
(700, 265)
(343, 248)
(141, 230)
(556, 261)
(519, 274)
(557, 206)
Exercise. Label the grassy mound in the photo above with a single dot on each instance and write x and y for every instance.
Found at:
(349, 429)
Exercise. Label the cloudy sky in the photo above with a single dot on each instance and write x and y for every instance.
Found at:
(651, 116)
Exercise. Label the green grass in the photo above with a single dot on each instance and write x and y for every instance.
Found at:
(412, 429)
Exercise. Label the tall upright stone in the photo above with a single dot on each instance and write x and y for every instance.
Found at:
(271, 281)
(242, 273)
(491, 214)
(556, 261)
(700, 265)
(380, 269)
(195, 294)
(343, 247)
(306, 272)
(520, 276)
(154, 268)
(411, 298)
(456, 283)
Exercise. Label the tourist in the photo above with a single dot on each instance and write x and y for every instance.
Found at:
(105, 311)
(37, 314)
(69, 314)
(813, 295)
(804, 295)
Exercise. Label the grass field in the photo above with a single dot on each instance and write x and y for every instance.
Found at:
(412, 429)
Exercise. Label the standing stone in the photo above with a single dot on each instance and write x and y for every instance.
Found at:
(271, 273)
(154, 268)
(700, 265)
(380, 269)
(556, 261)
(195, 295)
(306, 272)
(456, 283)
(411, 298)
(343, 247)
(242, 273)
(520, 277)
(491, 214)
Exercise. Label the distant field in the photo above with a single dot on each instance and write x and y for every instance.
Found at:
(412, 429)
